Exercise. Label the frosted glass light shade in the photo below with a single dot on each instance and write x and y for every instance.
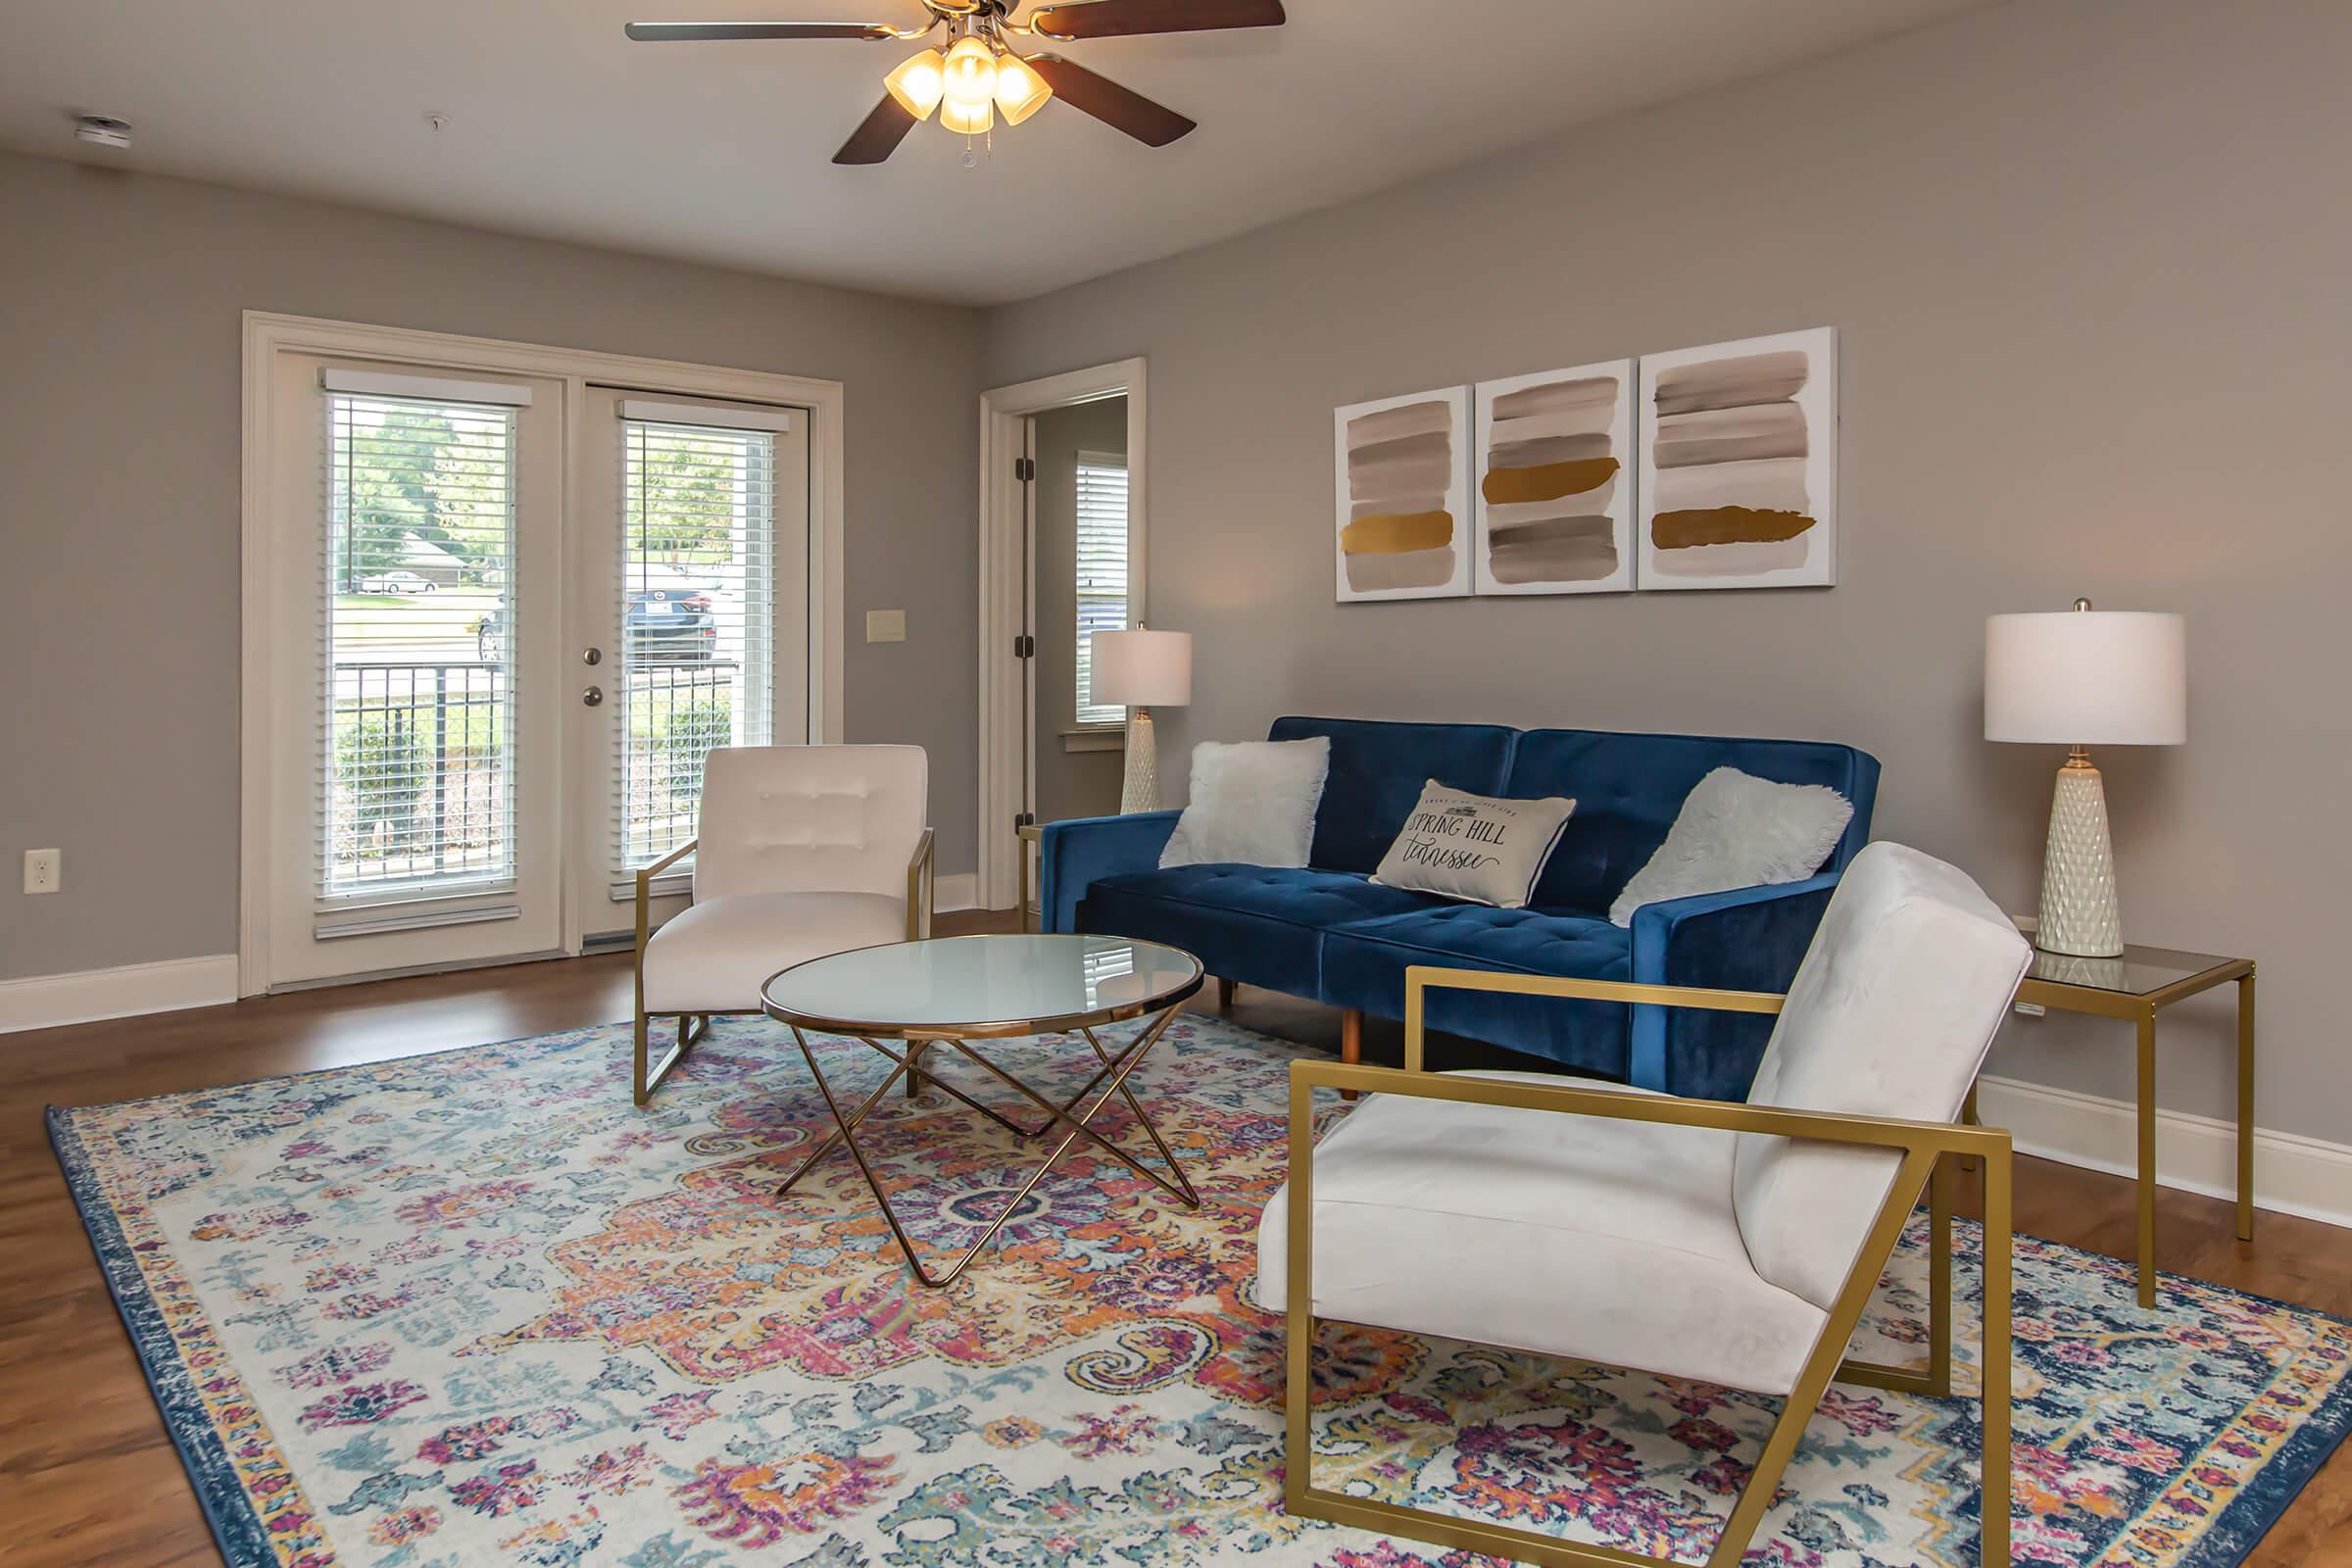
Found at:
(2088, 677)
(970, 73)
(967, 119)
(918, 84)
(1020, 91)
(1143, 668)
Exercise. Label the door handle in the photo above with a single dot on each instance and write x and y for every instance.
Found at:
(593, 695)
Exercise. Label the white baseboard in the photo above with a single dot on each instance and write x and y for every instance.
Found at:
(46, 1000)
(959, 890)
(2293, 1174)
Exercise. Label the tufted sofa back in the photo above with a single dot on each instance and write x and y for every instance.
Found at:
(809, 819)
(1629, 788)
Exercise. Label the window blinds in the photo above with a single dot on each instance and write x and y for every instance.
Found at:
(697, 616)
(415, 746)
(1102, 570)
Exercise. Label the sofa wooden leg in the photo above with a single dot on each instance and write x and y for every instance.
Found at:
(1225, 989)
(1351, 1043)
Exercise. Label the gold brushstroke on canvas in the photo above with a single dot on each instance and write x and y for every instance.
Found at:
(1395, 533)
(1725, 525)
(1550, 482)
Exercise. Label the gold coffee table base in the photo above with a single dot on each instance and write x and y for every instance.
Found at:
(908, 1064)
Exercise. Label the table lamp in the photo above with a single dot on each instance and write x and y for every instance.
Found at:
(1142, 671)
(2079, 678)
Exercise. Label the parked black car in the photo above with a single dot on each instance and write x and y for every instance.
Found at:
(671, 624)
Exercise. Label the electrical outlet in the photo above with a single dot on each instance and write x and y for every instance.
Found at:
(886, 626)
(42, 870)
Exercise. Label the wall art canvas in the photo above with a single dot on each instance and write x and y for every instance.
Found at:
(1404, 481)
(1739, 471)
(1555, 482)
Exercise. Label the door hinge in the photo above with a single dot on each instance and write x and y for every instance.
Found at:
(1024, 647)
(1022, 819)
(1025, 469)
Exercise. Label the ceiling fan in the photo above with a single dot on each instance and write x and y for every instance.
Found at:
(977, 76)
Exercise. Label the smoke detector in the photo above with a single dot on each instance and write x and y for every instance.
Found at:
(102, 130)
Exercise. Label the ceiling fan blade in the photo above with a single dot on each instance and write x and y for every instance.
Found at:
(878, 136)
(1125, 18)
(1154, 124)
(734, 32)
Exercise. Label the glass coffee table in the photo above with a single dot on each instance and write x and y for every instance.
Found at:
(953, 993)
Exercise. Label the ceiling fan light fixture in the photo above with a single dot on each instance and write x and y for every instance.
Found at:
(1020, 90)
(919, 84)
(970, 74)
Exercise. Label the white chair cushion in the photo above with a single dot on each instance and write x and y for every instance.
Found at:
(808, 818)
(715, 956)
(1889, 1014)
(1572, 1236)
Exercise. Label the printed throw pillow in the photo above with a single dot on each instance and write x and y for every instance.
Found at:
(1736, 830)
(1251, 804)
(1474, 846)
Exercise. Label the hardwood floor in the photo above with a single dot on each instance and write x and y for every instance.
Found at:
(88, 1474)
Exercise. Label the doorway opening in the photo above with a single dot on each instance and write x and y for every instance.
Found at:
(1062, 531)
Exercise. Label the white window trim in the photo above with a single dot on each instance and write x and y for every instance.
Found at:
(269, 334)
(1008, 685)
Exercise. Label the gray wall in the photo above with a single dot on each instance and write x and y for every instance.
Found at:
(119, 339)
(1068, 783)
(2088, 264)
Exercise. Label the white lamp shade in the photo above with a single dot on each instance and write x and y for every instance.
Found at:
(1143, 668)
(2087, 677)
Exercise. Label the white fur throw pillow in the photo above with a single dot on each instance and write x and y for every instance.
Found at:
(1473, 847)
(1735, 830)
(1252, 804)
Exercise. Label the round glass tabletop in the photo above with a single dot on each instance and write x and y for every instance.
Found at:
(981, 987)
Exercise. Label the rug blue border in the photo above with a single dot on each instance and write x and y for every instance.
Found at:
(244, 1540)
(2241, 1526)
(237, 1530)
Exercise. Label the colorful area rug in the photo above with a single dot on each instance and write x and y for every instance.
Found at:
(476, 1307)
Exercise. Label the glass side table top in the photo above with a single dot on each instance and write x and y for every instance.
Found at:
(2138, 972)
(983, 986)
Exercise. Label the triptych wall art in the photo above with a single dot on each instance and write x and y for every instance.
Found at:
(1707, 468)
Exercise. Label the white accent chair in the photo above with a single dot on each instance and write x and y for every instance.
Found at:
(799, 850)
(1736, 1244)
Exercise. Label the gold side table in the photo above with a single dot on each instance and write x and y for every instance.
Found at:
(2134, 988)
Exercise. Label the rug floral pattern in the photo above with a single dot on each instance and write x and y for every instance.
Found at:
(477, 1308)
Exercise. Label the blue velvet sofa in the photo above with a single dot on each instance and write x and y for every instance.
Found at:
(1327, 932)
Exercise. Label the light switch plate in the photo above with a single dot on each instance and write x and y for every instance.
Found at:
(42, 870)
(886, 626)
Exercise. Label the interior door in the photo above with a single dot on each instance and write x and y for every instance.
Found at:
(690, 624)
(416, 770)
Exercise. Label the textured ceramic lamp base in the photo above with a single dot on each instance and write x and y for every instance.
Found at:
(1140, 791)
(2079, 914)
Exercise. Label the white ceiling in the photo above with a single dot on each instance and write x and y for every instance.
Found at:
(721, 151)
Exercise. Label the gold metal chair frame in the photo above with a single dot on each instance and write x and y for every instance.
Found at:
(1929, 1151)
(921, 890)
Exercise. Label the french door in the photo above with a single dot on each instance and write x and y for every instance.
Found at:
(691, 580)
(510, 617)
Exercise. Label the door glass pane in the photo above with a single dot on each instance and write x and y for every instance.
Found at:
(697, 581)
(418, 755)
